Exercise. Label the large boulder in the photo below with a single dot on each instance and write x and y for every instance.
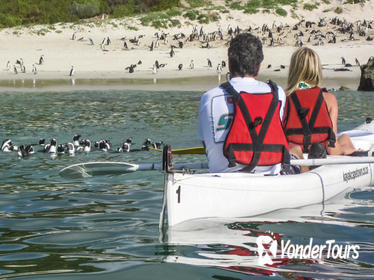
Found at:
(367, 76)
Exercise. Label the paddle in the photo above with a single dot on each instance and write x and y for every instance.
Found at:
(88, 169)
(193, 150)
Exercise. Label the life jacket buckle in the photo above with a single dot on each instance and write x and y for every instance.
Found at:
(258, 121)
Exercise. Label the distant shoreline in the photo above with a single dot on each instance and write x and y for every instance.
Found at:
(149, 58)
(349, 80)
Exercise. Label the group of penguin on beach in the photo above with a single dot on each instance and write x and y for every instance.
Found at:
(76, 146)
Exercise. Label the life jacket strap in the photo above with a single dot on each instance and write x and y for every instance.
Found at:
(257, 145)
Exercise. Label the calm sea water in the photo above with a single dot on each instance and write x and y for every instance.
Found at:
(106, 227)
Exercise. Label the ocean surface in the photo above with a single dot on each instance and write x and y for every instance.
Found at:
(107, 226)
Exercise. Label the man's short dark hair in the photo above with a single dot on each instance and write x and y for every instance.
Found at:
(245, 55)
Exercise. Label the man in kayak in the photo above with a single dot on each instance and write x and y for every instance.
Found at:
(240, 121)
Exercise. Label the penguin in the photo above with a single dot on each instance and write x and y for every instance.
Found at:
(34, 70)
(41, 59)
(87, 146)
(24, 152)
(60, 149)
(180, 66)
(51, 147)
(192, 65)
(72, 71)
(209, 63)
(71, 149)
(76, 140)
(6, 146)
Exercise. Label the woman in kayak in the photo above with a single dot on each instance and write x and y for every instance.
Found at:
(312, 112)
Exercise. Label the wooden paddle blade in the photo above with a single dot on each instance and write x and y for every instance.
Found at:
(186, 151)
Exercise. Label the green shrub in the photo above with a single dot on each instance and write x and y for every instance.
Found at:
(196, 3)
(254, 3)
(123, 10)
(203, 19)
(251, 10)
(310, 7)
(87, 9)
(191, 14)
(173, 13)
(338, 10)
(9, 20)
(282, 12)
(236, 6)
(174, 23)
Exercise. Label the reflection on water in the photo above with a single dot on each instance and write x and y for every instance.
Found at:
(107, 226)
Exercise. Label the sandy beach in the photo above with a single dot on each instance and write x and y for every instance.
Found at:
(94, 61)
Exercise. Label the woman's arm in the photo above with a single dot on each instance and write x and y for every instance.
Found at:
(343, 145)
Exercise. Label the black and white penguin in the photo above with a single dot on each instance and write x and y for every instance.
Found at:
(71, 149)
(51, 147)
(60, 149)
(24, 152)
(7, 145)
(76, 140)
(72, 71)
(87, 146)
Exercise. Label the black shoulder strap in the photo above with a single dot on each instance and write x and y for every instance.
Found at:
(302, 113)
(308, 128)
(247, 117)
(257, 140)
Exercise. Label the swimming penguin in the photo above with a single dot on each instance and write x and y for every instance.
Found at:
(50, 148)
(76, 140)
(60, 149)
(70, 148)
(87, 146)
(104, 145)
(41, 141)
(6, 146)
(24, 152)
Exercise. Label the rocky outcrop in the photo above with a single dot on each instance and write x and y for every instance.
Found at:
(367, 76)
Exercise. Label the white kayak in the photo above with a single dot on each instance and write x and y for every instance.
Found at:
(234, 195)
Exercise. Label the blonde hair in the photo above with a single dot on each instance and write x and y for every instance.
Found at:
(305, 66)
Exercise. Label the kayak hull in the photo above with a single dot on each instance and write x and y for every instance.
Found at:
(234, 195)
(239, 194)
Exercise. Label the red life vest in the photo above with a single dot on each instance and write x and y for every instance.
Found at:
(308, 119)
(256, 136)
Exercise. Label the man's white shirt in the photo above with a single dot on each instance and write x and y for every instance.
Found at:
(215, 118)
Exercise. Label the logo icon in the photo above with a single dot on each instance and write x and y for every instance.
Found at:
(266, 249)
